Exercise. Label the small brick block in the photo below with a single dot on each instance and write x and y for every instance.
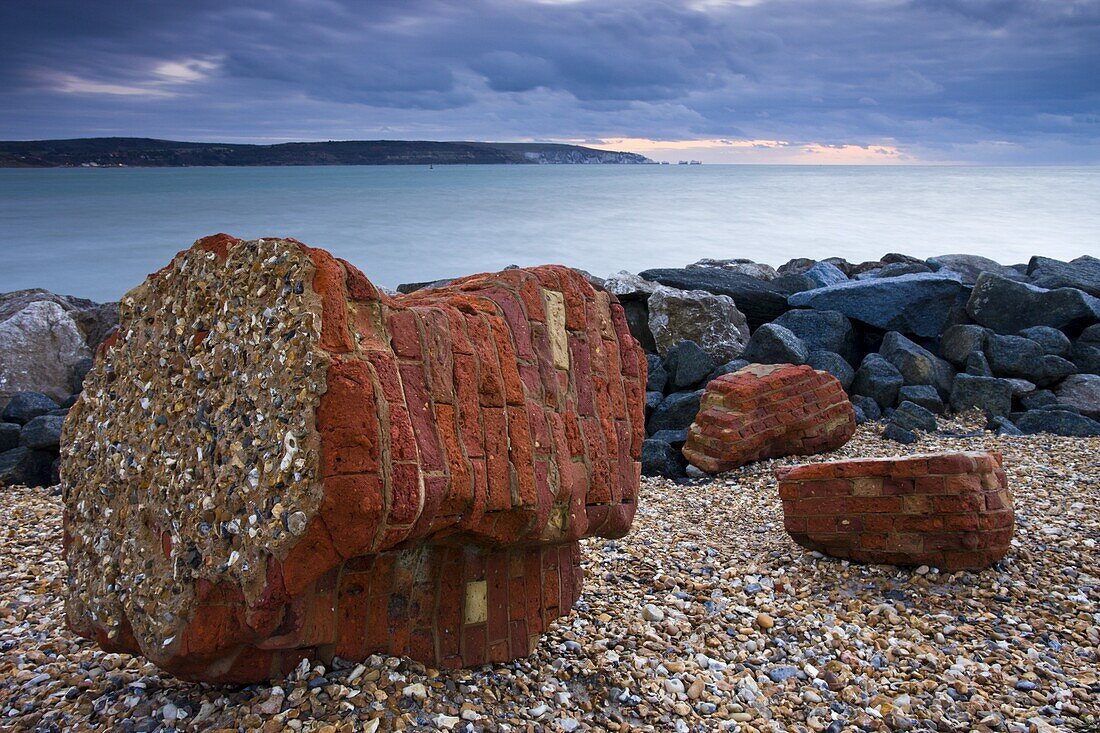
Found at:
(950, 510)
(768, 411)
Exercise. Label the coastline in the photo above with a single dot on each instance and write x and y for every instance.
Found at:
(116, 152)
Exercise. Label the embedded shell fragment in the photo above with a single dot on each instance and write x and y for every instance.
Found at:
(274, 460)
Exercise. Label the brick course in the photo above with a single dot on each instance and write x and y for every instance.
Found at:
(466, 438)
(950, 510)
(768, 411)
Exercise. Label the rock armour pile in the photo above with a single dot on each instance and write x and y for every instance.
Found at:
(767, 411)
(951, 510)
(273, 460)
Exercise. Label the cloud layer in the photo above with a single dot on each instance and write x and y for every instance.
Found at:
(998, 81)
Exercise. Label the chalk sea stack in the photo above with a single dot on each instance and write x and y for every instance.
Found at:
(273, 460)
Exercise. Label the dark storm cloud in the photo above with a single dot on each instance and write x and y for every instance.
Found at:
(950, 79)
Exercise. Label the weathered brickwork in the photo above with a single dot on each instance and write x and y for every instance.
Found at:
(951, 510)
(768, 411)
(275, 460)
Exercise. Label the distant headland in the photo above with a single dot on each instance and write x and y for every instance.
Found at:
(133, 152)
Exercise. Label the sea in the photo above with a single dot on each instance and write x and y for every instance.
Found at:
(96, 233)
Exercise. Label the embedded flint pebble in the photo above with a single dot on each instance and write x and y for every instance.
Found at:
(273, 460)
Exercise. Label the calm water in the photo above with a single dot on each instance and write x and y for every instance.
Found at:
(97, 233)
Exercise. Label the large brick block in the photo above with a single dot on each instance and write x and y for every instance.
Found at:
(768, 411)
(950, 510)
(274, 460)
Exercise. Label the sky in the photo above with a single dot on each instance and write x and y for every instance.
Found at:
(1000, 82)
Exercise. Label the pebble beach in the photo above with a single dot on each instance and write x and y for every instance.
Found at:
(705, 617)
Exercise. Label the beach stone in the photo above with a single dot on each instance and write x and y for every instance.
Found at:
(25, 466)
(1052, 370)
(917, 364)
(711, 321)
(1053, 341)
(675, 438)
(758, 270)
(878, 379)
(1020, 387)
(1016, 356)
(917, 304)
(42, 433)
(822, 330)
(1081, 392)
(911, 416)
(25, 406)
(1058, 422)
(633, 294)
(795, 266)
(660, 458)
(790, 284)
(924, 395)
(1013, 356)
(767, 411)
(841, 264)
(895, 432)
(1008, 306)
(675, 412)
(1004, 426)
(993, 396)
(824, 274)
(862, 268)
(894, 269)
(833, 363)
(687, 365)
(774, 344)
(892, 257)
(95, 321)
(1056, 406)
(949, 510)
(760, 301)
(652, 399)
(1039, 398)
(79, 372)
(960, 341)
(9, 435)
(1082, 273)
(977, 365)
(969, 267)
(727, 368)
(870, 408)
(39, 345)
(1086, 351)
(327, 470)
(656, 377)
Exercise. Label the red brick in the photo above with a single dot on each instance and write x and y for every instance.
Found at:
(795, 419)
(834, 487)
(935, 510)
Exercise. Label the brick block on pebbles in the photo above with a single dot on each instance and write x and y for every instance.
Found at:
(274, 460)
(768, 411)
(948, 510)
